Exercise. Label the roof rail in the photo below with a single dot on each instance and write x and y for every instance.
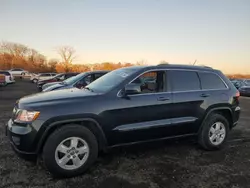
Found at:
(163, 64)
(206, 66)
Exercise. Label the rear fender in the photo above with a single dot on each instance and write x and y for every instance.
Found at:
(212, 110)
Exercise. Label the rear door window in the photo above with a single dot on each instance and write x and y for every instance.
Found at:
(184, 80)
(211, 81)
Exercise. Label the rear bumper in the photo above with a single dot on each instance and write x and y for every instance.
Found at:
(236, 116)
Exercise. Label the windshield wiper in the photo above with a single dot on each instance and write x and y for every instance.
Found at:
(89, 89)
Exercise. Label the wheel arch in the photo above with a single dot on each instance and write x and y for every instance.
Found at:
(224, 111)
(89, 123)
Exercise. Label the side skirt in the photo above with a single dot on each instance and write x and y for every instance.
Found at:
(151, 140)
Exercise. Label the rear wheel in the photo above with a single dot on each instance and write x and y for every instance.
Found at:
(214, 132)
(34, 81)
(70, 151)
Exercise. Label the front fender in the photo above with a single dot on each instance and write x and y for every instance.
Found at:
(52, 124)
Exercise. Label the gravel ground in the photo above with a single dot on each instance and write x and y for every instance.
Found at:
(166, 164)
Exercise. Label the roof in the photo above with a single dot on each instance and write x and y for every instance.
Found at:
(171, 66)
(180, 66)
(98, 71)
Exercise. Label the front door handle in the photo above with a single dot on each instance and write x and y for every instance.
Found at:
(163, 98)
(204, 95)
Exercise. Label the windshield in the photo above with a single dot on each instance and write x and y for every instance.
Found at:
(111, 80)
(74, 79)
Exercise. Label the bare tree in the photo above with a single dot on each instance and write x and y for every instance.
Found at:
(67, 54)
(15, 50)
(141, 62)
(52, 64)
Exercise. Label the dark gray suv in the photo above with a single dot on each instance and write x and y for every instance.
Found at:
(70, 127)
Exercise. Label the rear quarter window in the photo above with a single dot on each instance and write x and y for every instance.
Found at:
(211, 81)
(184, 80)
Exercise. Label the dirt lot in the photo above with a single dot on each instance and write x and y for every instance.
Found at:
(161, 164)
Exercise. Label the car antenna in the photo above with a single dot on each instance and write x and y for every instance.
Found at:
(195, 62)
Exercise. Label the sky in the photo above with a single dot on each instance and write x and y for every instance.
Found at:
(216, 33)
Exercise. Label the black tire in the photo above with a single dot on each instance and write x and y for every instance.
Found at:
(57, 137)
(204, 140)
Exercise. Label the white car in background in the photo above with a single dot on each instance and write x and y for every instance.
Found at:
(17, 72)
(41, 76)
(9, 78)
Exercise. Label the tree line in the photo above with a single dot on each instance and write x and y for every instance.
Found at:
(14, 55)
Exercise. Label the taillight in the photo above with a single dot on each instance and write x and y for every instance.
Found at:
(237, 96)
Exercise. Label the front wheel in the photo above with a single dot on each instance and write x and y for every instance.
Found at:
(214, 132)
(70, 151)
(35, 81)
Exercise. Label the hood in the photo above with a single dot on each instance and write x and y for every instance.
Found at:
(56, 96)
(50, 84)
(53, 86)
(245, 87)
(47, 80)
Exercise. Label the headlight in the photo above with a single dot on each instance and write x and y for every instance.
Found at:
(27, 116)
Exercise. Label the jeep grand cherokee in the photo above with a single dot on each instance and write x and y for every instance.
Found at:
(69, 127)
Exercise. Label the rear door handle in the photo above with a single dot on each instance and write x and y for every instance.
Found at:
(204, 95)
(163, 98)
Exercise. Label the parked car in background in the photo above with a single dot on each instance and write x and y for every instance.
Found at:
(56, 79)
(34, 76)
(17, 72)
(2, 80)
(247, 82)
(41, 76)
(238, 83)
(79, 81)
(9, 78)
(44, 86)
(70, 127)
(245, 90)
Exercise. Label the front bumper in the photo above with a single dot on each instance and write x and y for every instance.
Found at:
(21, 137)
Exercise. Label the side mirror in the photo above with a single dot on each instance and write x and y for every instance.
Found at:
(131, 89)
